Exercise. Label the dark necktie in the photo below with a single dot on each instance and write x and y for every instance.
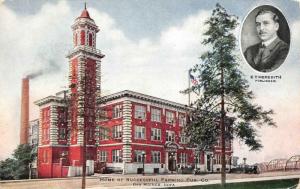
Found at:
(258, 57)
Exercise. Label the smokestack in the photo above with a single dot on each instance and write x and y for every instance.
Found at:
(24, 111)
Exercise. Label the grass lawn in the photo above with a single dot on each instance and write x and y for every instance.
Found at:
(273, 184)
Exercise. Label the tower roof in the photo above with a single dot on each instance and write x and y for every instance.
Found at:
(85, 13)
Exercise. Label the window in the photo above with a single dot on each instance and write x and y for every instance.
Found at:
(103, 115)
(217, 159)
(183, 158)
(62, 133)
(155, 157)
(116, 156)
(138, 157)
(170, 117)
(140, 132)
(170, 136)
(103, 156)
(117, 111)
(75, 40)
(117, 131)
(103, 133)
(155, 115)
(182, 120)
(90, 39)
(46, 133)
(183, 138)
(155, 134)
(140, 112)
(227, 143)
(82, 37)
(198, 159)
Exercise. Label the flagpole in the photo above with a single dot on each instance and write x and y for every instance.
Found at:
(189, 86)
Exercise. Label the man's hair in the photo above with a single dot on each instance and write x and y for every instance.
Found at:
(264, 11)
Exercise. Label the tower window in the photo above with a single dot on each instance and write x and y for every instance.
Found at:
(90, 39)
(82, 37)
(75, 39)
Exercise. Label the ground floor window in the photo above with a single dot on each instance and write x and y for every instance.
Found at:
(183, 158)
(155, 157)
(138, 156)
(102, 156)
(116, 156)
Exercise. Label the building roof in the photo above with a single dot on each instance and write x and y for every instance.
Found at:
(140, 96)
(85, 13)
(49, 99)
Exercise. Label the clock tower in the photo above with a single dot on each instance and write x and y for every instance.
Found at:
(84, 85)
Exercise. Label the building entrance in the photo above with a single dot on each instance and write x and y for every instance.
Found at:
(171, 161)
(208, 163)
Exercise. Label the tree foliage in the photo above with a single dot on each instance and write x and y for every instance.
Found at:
(217, 64)
(18, 166)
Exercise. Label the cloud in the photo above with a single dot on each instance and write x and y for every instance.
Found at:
(141, 65)
(33, 44)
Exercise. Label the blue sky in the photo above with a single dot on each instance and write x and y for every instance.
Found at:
(144, 18)
(149, 47)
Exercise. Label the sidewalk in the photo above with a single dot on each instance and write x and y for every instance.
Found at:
(147, 185)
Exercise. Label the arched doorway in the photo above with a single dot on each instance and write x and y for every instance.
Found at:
(171, 156)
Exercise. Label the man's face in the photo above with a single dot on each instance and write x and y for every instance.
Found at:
(266, 27)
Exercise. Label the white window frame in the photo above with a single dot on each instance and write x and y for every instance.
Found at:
(117, 131)
(139, 132)
(170, 117)
(117, 111)
(138, 156)
(155, 114)
(183, 138)
(116, 156)
(182, 120)
(155, 134)
(170, 137)
(103, 133)
(183, 158)
(102, 156)
(155, 157)
(139, 112)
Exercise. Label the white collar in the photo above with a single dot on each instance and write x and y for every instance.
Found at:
(268, 42)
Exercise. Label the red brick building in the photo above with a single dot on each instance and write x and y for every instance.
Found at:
(120, 131)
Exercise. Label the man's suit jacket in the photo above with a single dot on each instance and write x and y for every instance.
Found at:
(266, 59)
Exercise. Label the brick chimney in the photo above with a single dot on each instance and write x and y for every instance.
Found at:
(24, 111)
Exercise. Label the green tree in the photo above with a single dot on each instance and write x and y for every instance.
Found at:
(224, 100)
(18, 167)
(7, 169)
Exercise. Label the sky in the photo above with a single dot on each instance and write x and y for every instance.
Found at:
(149, 47)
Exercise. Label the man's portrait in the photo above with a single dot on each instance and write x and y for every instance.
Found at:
(268, 46)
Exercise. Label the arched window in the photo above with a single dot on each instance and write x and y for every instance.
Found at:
(90, 39)
(82, 37)
(75, 40)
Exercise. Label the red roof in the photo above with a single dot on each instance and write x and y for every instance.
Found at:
(85, 14)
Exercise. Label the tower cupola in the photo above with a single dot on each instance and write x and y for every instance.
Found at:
(84, 30)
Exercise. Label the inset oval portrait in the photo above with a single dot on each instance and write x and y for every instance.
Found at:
(265, 38)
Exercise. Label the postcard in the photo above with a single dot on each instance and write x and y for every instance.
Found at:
(150, 94)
